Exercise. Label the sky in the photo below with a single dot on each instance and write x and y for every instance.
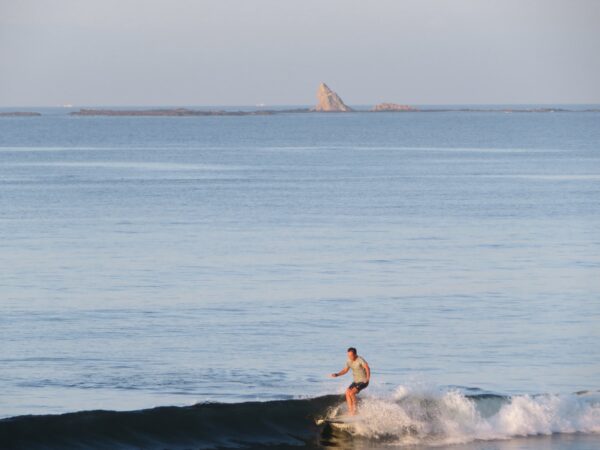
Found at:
(276, 52)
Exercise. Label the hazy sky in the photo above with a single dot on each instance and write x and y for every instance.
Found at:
(244, 52)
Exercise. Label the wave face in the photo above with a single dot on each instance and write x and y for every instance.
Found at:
(408, 417)
(285, 423)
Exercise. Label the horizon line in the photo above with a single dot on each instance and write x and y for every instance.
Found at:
(266, 105)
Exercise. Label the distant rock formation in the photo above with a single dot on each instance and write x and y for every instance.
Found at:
(387, 107)
(329, 101)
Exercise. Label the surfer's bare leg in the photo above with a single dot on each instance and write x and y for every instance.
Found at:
(351, 400)
(348, 401)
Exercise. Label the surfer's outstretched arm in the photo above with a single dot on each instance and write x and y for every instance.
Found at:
(340, 373)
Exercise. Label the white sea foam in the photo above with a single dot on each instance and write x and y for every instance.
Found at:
(449, 417)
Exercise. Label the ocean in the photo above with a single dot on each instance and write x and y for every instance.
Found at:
(190, 282)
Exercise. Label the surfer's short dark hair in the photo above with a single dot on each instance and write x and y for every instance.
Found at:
(352, 349)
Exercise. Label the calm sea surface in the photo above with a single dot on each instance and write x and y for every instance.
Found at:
(169, 261)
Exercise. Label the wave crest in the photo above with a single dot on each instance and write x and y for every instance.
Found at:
(452, 417)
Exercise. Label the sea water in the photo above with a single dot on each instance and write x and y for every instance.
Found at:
(169, 261)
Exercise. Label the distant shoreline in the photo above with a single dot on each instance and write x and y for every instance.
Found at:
(20, 114)
(179, 112)
(188, 112)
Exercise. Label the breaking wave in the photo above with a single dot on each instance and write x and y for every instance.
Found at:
(408, 417)
(438, 417)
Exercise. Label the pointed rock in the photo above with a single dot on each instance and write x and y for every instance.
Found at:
(329, 101)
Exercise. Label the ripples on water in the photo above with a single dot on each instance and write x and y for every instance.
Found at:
(165, 261)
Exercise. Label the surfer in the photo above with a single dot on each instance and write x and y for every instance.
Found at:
(361, 374)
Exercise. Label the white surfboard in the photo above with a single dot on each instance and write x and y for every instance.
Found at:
(340, 422)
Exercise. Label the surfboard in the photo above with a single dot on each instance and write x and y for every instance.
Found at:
(340, 422)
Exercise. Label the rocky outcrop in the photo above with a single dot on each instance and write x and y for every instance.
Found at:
(386, 107)
(329, 101)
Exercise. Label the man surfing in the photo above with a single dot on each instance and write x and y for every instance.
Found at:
(361, 374)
